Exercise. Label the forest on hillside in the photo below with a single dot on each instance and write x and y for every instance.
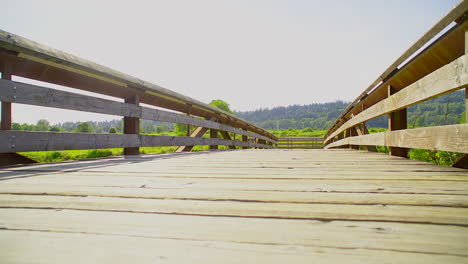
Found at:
(443, 110)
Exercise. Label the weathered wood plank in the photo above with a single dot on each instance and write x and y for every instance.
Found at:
(444, 138)
(377, 236)
(451, 77)
(29, 246)
(21, 141)
(17, 92)
(313, 197)
(387, 213)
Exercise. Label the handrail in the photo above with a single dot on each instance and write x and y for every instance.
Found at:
(25, 58)
(46, 64)
(444, 55)
(441, 68)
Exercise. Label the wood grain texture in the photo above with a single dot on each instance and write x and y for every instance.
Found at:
(445, 138)
(21, 141)
(338, 206)
(451, 77)
(17, 92)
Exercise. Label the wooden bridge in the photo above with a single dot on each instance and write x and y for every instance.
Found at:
(241, 205)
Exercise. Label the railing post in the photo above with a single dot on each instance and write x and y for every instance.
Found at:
(213, 134)
(245, 139)
(132, 125)
(6, 106)
(353, 133)
(188, 126)
(397, 121)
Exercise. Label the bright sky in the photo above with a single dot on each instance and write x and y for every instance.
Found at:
(250, 53)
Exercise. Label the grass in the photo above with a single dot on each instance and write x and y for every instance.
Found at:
(54, 156)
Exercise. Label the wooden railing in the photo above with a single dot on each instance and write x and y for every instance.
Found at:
(440, 68)
(301, 143)
(25, 58)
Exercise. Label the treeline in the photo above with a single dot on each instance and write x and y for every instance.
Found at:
(315, 116)
(444, 110)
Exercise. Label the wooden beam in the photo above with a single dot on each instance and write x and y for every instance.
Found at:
(132, 126)
(444, 80)
(214, 134)
(197, 133)
(461, 162)
(245, 139)
(42, 96)
(226, 136)
(443, 138)
(397, 120)
(21, 141)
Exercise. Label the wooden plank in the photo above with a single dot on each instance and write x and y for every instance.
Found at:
(29, 246)
(329, 212)
(315, 197)
(21, 141)
(131, 126)
(282, 186)
(444, 138)
(305, 233)
(42, 96)
(448, 78)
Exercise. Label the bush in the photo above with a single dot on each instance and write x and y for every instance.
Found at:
(98, 153)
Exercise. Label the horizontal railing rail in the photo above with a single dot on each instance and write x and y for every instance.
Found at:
(25, 58)
(301, 143)
(440, 68)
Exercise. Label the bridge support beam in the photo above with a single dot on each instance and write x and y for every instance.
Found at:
(132, 126)
(226, 135)
(397, 121)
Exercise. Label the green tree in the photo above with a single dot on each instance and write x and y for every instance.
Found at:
(159, 129)
(222, 105)
(113, 130)
(54, 129)
(15, 126)
(84, 127)
(42, 125)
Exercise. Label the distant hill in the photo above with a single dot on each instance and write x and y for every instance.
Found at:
(443, 110)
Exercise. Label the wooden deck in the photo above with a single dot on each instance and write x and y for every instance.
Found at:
(244, 206)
